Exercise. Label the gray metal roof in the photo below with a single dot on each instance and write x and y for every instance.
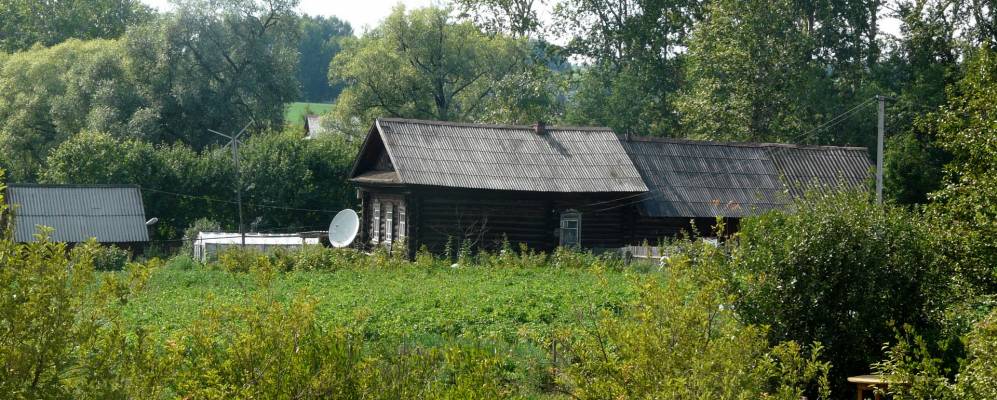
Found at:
(706, 179)
(109, 213)
(504, 157)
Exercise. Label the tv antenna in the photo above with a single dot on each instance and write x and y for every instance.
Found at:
(344, 228)
(233, 143)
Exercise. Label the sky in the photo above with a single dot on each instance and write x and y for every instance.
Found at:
(359, 13)
(363, 14)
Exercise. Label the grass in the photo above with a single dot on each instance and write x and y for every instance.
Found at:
(510, 305)
(296, 112)
(513, 311)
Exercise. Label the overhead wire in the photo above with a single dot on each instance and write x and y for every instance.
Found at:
(207, 198)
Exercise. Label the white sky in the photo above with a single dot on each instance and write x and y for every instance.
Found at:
(367, 13)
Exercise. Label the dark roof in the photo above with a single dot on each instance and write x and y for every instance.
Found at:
(109, 213)
(706, 179)
(501, 157)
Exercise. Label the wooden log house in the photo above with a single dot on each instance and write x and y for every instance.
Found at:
(430, 183)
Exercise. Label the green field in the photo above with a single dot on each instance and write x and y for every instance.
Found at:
(510, 305)
(296, 111)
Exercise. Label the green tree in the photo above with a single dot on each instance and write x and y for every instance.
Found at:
(24, 23)
(635, 50)
(918, 66)
(216, 65)
(421, 64)
(320, 42)
(515, 17)
(842, 271)
(50, 94)
(291, 184)
(750, 71)
(965, 128)
(681, 338)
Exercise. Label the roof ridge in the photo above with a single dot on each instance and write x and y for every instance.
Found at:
(493, 126)
(75, 186)
(737, 144)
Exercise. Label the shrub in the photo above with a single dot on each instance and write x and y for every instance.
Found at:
(840, 270)
(911, 363)
(238, 259)
(681, 339)
(110, 258)
(182, 262)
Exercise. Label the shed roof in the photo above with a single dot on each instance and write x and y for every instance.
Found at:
(498, 157)
(109, 213)
(706, 179)
(269, 239)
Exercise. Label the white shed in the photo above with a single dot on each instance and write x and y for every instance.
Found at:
(207, 245)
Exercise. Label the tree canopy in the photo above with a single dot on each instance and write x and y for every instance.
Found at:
(423, 64)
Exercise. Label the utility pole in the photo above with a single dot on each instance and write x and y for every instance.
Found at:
(234, 144)
(881, 127)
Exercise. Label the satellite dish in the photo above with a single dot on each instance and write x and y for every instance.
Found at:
(343, 228)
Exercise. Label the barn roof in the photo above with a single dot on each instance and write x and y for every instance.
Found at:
(705, 179)
(497, 157)
(109, 213)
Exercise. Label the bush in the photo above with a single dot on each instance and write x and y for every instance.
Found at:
(182, 262)
(681, 339)
(110, 258)
(910, 363)
(839, 270)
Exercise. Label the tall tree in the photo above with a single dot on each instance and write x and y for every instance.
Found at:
(634, 49)
(24, 23)
(750, 69)
(965, 126)
(919, 64)
(320, 41)
(514, 17)
(49, 94)
(216, 65)
(422, 64)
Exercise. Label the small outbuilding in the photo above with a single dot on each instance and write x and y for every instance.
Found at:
(112, 214)
(207, 245)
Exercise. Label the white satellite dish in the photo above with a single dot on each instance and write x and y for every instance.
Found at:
(343, 228)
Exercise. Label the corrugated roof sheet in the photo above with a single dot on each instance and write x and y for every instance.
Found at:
(506, 157)
(706, 179)
(109, 213)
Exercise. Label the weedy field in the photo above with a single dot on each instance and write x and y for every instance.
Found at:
(512, 305)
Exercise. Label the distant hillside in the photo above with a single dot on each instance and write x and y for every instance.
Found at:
(297, 111)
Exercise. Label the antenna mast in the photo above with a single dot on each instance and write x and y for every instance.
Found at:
(234, 145)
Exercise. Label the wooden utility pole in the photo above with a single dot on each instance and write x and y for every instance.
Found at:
(881, 128)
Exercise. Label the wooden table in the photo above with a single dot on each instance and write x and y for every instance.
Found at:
(869, 382)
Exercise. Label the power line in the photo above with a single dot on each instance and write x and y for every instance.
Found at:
(207, 198)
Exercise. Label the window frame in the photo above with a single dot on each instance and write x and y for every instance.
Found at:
(570, 215)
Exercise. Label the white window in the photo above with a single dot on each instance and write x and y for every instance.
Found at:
(389, 221)
(401, 220)
(375, 222)
(571, 228)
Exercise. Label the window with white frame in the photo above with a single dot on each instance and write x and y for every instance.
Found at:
(375, 222)
(389, 221)
(571, 228)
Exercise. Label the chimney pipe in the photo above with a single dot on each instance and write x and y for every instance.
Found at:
(539, 128)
